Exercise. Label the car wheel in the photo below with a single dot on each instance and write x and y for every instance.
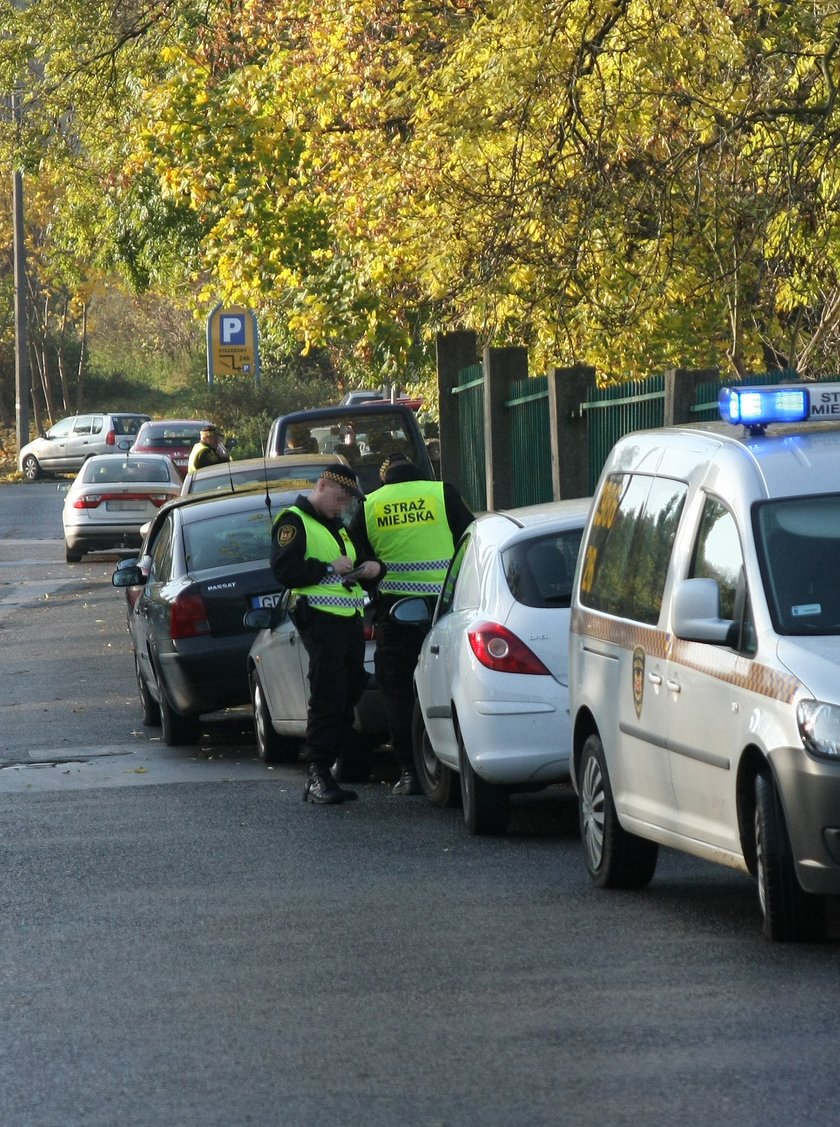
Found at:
(437, 781)
(71, 556)
(486, 806)
(148, 704)
(31, 469)
(177, 730)
(271, 747)
(790, 914)
(614, 857)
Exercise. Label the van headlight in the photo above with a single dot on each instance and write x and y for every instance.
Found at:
(819, 727)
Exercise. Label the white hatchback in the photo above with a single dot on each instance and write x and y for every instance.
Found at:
(492, 677)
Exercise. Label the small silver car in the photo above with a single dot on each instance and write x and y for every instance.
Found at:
(111, 497)
(65, 446)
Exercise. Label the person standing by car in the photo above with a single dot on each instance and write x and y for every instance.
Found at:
(313, 556)
(208, 451)
(412, 525)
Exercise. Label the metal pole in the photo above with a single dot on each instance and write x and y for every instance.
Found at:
(22, 380)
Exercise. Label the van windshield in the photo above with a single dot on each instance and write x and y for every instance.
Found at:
(798, 543)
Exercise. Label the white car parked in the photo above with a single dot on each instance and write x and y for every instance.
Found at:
(492, 677)
(111, 498)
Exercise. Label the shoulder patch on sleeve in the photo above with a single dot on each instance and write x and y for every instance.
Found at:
(286, 535)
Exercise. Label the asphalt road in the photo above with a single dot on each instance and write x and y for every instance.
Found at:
(186, 943)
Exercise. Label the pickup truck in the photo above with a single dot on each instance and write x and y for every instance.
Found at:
(365, 435)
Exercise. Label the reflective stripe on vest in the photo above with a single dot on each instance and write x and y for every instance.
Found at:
(407, 528)
(330, 594)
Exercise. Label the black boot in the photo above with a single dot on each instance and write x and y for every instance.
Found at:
(320, 787)
(407, 782)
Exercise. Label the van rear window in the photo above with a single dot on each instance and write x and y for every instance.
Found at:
(629, 548)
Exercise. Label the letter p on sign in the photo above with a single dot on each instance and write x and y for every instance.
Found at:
(233, 329)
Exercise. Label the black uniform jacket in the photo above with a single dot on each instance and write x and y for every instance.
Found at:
(289, 562)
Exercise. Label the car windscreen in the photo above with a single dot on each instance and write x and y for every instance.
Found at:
(241, 536)
(113, 470)
(170, 436)
(539, 571)
(798, 545)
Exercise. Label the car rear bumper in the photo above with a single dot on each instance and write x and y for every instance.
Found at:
(514, 743)
(207, 674)
(101, 538)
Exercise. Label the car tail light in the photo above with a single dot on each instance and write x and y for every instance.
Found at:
(497, 648)
(111, 438)
(88, 501)
(188, 617)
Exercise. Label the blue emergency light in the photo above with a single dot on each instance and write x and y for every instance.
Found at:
(757, 407)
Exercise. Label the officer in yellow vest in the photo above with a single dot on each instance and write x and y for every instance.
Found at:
(411, 525)
(311, 553)
(208, 451)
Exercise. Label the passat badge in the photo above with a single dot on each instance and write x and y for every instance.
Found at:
(638, 679)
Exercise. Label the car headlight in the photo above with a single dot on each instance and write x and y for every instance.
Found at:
(819, 727)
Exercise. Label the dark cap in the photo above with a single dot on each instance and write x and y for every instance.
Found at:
(345, 476)
(396, 468)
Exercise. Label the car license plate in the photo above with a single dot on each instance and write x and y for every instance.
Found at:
(266, 600)
(125, 506)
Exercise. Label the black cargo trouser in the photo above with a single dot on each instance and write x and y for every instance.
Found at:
(337, 678)
(397, 650)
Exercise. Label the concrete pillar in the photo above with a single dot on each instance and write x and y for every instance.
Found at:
(680, 392)
(454, 351)
(501, 367)
(567, 389)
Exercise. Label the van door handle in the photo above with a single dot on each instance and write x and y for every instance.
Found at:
(434, 649)
(655, 678)
(673, 686)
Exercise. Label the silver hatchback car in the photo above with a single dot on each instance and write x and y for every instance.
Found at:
(68, 444)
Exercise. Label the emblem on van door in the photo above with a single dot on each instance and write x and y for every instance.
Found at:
(638, 679)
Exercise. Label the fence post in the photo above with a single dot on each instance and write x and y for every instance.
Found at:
(454, 351)
(567, 389)
(681, 392)
(501, 367)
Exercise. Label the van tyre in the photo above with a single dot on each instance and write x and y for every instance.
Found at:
(486, 807)
(614, 857)
(271, 747)
(790, 914)
(438, 782)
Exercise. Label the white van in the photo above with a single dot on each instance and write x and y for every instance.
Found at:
(704, 664)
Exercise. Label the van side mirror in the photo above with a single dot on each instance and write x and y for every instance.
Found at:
(696, 612)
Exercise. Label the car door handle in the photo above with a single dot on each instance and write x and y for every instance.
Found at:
(673, 686)
(434, 649)
(655, 678)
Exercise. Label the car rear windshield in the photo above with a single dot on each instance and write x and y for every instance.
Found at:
(363, 438)
(539, 571)
(169, 436)
(798, 543)
(303, 477)
(114, 470)
(242, 536)
(127, 424)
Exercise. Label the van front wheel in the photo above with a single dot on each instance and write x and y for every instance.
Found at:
(614, 857)
(790, 914)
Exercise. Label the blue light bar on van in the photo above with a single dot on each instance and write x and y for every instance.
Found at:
(760, 406)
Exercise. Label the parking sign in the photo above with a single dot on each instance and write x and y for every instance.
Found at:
(232, 343)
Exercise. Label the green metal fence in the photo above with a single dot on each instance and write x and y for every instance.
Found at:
(530, 441)
(470, 392)
(617, 410)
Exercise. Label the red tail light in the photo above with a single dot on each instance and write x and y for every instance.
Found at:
(88, 501)
(189, 617)
(111, 438)
(497, 648)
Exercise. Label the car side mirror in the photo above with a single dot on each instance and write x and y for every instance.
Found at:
(231, 443)
(696, 613)
(413, 611)
(128, 574)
